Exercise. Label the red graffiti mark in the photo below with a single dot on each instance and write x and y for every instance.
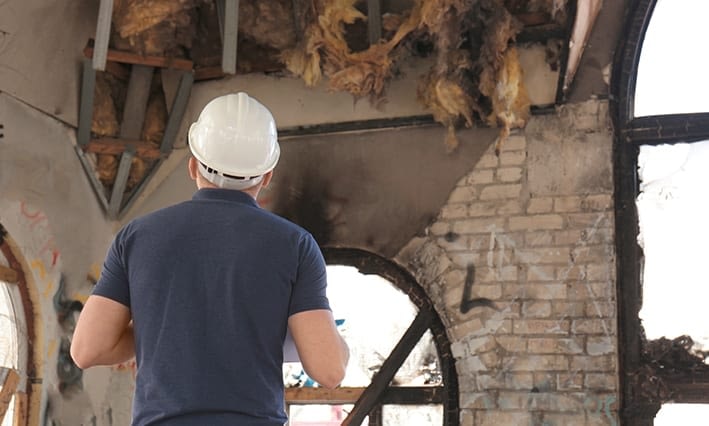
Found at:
(35, 216)
(55, 256)
(31, 215)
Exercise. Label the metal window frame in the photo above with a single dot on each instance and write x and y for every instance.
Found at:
(637, 406)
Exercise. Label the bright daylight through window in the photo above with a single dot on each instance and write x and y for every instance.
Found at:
(8, 342)
(672, 70)
(673, 207)
(373, 315)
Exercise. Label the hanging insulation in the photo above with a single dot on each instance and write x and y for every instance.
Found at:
(501, 78)
(461, 85)
(510, 103)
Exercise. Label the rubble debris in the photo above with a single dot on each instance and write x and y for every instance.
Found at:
(664, 358)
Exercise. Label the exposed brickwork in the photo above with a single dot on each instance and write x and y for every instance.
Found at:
(545, 351)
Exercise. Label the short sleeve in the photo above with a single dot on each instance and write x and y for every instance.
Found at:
(310, 288)
(113, 282)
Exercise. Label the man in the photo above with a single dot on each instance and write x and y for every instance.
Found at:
(202, 292)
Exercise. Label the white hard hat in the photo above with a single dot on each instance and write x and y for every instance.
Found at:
(235, 141)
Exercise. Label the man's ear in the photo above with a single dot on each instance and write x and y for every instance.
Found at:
(192, 168)
(267, 179)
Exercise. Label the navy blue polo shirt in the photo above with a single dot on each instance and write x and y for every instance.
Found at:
(211, 283)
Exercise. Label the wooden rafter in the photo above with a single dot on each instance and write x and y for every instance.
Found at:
(116, 146)
(349, 395)
(9, 379)
(147, 60)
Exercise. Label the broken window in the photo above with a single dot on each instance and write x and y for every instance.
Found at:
(662, 169)
(672, 211)
(378, 317)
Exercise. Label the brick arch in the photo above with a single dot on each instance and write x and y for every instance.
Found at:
(370, 263)
(16, 263)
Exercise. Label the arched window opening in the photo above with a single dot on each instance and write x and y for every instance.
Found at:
(10, 337)
(14, 339)
(401, 370)
(661, 108)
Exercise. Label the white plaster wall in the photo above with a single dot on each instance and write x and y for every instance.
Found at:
(51, 213)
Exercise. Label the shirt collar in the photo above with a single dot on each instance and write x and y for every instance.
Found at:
(219, 194)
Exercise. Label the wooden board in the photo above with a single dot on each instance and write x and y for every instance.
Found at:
(9, 379)
(8, 274)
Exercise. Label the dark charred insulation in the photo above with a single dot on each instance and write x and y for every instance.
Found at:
(664, 359)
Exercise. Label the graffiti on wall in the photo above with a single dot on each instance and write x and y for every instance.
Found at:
(64, 307)
(467, 303)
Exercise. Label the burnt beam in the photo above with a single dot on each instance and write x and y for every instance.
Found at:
(667, 129)
(371, 397)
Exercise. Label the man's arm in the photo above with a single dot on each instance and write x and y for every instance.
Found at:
(103, 334)
(323, 352)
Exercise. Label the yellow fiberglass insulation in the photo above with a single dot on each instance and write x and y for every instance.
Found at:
(501, 74)
(510, 103)
(154, 27)
(324, 51)
(464, 82)
(447, 95)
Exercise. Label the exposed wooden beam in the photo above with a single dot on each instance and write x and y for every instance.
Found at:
(141, 78)
(374, 21)
(103, 33)
(177, 111)
(98, 187)
(228, 11)
(88, 84)
(667, 128)
(115, 146)
(402, 395)
(8, 274)
(119, 185)
(147, 60)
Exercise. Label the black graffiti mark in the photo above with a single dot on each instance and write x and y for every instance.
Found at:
(2, 134)
(65, 307)
(466, 304)
(68, 373)
(450, 236)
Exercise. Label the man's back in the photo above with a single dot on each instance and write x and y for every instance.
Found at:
(212, 284)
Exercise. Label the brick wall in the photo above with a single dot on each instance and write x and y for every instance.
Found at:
(520, 265)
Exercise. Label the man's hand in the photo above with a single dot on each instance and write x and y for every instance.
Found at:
(323, 352)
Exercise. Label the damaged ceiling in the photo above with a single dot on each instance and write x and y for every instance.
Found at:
(475, 77)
